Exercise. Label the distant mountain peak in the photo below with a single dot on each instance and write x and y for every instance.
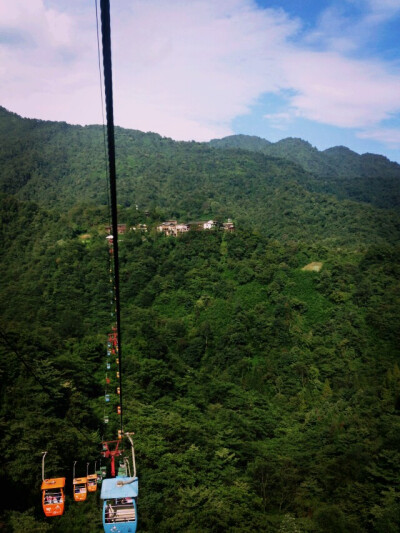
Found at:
(338, 161)
(295, 141)
(240, 141)
(340, 149)
(242, 136)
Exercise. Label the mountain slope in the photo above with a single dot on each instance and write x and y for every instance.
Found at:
(58, 165)
(258, 392)
(366, 178)
(263, 397)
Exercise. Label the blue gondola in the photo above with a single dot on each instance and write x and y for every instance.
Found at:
(119, 497)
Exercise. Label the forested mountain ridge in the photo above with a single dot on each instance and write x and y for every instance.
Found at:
(264, 397)
(59, 164)
(335, 161)
(368, 177)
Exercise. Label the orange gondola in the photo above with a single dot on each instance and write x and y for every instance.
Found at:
(91, 479)
(80, 487)
(53, 496)
(92, 482)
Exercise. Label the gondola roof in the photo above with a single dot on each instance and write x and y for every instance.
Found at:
(111, 489)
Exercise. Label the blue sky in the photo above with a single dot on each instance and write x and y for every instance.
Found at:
(325, 71)
(371, 30)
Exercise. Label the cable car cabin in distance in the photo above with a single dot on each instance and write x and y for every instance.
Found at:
(92, 482)
(119, 506)
(101, 474)
(80, 489)
(53, 496)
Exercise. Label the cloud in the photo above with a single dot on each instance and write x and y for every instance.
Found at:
(350, 26)
(186, 70)
(280, 121)
(334, 90)
(388, 136)
(336, 30)
(48, 74)
(199, 63)
(382, 10)
(43, 28)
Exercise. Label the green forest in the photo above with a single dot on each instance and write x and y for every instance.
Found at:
(264, 397)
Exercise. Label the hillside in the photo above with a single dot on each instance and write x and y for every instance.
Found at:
(260, 394)
(264, 395)
(58, 165)
(367, 178)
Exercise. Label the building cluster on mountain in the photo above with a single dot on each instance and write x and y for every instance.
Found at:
(122, 228)
(172, 228)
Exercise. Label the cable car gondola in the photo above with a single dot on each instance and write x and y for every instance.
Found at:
(80, 487)
(101, 474)
(91, 480)
(53, 497)
(119, 497)
(119, 507)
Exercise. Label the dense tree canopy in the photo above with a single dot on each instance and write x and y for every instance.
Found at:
(367, 178)
(264, 397)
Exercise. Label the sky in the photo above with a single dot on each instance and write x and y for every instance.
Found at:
(325, 71)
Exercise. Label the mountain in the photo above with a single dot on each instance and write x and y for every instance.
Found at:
(259, 367)
(58, 165)
(336, 161)
(245, 142)
(350, 164)
(296, 150)
(367, 178)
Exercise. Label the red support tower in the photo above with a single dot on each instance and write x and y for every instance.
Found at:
(111, 453)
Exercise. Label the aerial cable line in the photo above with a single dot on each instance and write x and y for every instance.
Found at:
(102, 108)
(110, 259)
(123, 486)
(106, 42)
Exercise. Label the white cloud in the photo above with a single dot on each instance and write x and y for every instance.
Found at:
(47, 74)
(348, 26)
(280, 121)
(383, 9)
(342, 92)
(388, 136)
(335, 31)
(186, 70)
(203, 62)
(43, 29)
